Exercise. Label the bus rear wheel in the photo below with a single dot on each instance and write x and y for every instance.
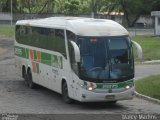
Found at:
(30, 81)
(25, 77)
(65, 95)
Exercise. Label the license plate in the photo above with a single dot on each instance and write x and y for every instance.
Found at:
(110, 97)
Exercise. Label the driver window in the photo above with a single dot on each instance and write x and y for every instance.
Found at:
(71, 54)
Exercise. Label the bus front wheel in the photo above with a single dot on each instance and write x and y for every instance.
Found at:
(65, 95)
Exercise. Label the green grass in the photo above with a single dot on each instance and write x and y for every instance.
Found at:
(6, 30)
(150, 46)
(149, 86)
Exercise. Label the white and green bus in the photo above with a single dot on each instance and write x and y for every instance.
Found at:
(83, 59)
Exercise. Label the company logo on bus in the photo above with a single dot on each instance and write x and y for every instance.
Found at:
(18, 51)
(110, 86)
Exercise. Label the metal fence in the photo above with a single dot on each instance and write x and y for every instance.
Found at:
(18, 16)
(137, 31)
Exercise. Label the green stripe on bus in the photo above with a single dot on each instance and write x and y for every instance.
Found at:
(110, 85)
(114, 85)
(27, 53)
(35, 55)
(45, 58)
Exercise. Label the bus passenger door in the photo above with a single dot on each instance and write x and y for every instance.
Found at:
(57, 72)
(55, 79)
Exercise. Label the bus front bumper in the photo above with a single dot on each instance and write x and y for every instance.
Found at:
(91, 96)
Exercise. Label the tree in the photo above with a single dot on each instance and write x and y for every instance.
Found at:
(35, 6)
(132, 9)
(84, 7)
(155, 6)
(96, 6)
(72, 7)
(5, 5)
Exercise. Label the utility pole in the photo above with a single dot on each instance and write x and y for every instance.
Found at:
(92, 7)
(11, 13)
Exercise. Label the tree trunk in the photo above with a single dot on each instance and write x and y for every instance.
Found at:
(43, 7)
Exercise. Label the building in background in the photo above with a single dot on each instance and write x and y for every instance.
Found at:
(156, 14)
(5, 18)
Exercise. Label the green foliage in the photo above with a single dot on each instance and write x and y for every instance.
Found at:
(155, 5)
(149, 86)
(27, 6)
(85, 7)
(72, 6)
(132, 9)
(59, 6)
(35, 6)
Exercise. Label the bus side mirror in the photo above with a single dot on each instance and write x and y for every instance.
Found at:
(139, 49)
(76, 51)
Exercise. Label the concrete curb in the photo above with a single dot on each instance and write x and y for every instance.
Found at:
(152, 61)
(150, 99)
(148, 62)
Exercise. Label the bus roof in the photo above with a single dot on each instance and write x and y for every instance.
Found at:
(79, 25)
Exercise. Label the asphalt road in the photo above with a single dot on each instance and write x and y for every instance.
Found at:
(142, 71)
(15, 97)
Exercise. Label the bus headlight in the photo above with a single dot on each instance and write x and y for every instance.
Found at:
(90, 88)
(127, 87)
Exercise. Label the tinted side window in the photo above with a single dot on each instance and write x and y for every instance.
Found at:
(45, 38)
(23, 34)
(60, 42)
(17, 33)
(71, 36)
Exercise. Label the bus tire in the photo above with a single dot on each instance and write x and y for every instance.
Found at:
(24, 75)
(30, 80)
(65, 95)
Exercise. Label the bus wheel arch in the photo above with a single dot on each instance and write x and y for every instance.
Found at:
(65, 95)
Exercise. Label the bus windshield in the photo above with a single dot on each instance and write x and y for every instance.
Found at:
(106, 59)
